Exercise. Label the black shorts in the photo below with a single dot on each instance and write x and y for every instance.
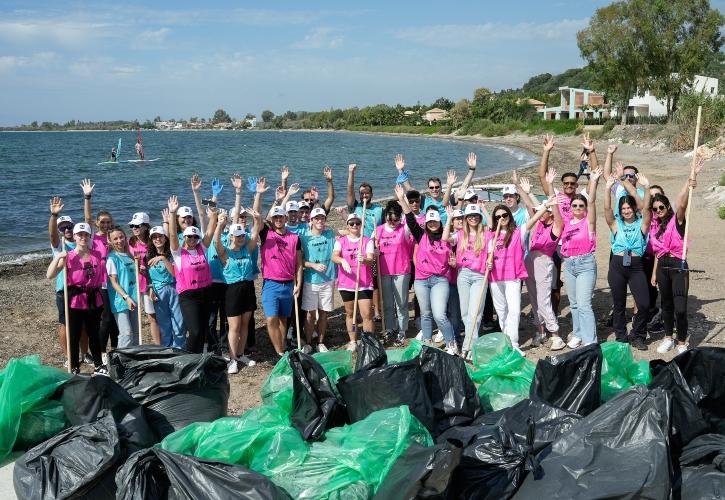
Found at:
(240, 298)
(349, 295)
(60, 304)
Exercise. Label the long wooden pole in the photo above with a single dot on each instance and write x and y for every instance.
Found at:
(380, 285)
(139, 299)
(66, 311)
(297, 322)
(689, 189)
(357, 272)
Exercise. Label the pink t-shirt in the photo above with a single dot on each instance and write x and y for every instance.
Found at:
(279, 256)
(348, 250)
(87, 274)
(565, 209)
(653, 243)
(540, 239)
(508, 261)
(192, 269)
(139, 250)
(396, 250)
(100, 244)
(576, 238)
(431, 258)
(468, 258)
(671, 240)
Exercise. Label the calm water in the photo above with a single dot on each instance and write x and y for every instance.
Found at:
(37, 166)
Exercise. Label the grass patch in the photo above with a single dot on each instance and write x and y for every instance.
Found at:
(554, 126)
(722, 180)
(402, 129)
(721, 212)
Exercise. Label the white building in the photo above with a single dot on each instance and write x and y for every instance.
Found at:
(649, 105)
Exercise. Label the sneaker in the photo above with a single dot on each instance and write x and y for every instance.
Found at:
(321, 347)
(574, 342)
(87, 359)
(637, 343)
(400, 339)
(387, 337)
(682, 348)
(226, 357)
(438, 338)
(232, 367)
(419, 336)
(665, 345)
(452, 348)
(104, 358)
(76, 371)
(307, 349)
(655, 321)
(557, 343)
(101, 370)
(351, 346)
(538, 340)
(246, 361)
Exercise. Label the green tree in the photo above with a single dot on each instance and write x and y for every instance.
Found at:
(249, 116)
(221, 116)
(267, 116)
(442, 103)
(460, 112)
(290, 115)
(34, 124)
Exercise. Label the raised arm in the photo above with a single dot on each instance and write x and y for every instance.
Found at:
(608, 212)
(588, 145)
(471, 162)
(173, 205)
(220, 250)
(540, 212)
(56, 207)
(256, 228)
(450, 180)
(684, 195)
(544, 164)
(87, 188)
(351, 187)
(196, 191)
(629, 187)
(260, 187)
(523, 188)
(400, 167)
(558, 219)
(56, 265)
(327, 205)
(212, 214)
(646, 213)
(237, 183)
(611, 149)
(284, 175)
(216, 189)
(592, 211)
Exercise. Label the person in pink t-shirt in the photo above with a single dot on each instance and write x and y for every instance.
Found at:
(138, 245)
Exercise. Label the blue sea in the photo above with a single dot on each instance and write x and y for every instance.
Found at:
(38, 165)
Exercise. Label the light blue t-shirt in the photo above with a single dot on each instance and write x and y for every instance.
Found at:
(160, 276)
(318, 249)
(299, 229)
(430, 202)
(215, 263)
(125, 271)
(629, 237)
(619, 192)
(240, 265)
(373, 217)
(521, 216)
(55, 251)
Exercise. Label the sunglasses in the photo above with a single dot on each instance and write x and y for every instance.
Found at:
(353, 224)
(629, 176)
(134, 226)
(570, 183)
(659, 208)
(434, 187)
(63, 229)
(501, 216)
(416, 200)
(192, 236)
(578, 205)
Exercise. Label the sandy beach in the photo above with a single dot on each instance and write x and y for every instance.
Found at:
(28, 301)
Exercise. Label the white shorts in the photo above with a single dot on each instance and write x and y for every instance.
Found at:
(317, 296)
(148, 304)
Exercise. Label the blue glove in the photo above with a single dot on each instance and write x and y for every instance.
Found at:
(252, 184)
(404, 176)
(216, 187)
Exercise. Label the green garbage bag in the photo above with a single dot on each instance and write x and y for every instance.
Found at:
(503, 375)
(262, 440)
(336, 364)
(40, 423)
(400, 355)
(353, 460)
(619, 369)
(25, 384)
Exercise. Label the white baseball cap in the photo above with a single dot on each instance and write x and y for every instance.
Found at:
(473, 210)
(457, 213)
(64, 218)
(278, 211)
(158, 230)
(82, 227)
(508, 189)
(139, 218)
(292, 206)
(432, 215)
(470, 193)
(316, 212)
(237, 230)
(353, 216)
(185, 212)
(303, 204)
(192, 231)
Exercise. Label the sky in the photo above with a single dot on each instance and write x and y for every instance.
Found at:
(123, 60)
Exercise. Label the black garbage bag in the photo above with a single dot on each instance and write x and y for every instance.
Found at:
(421, 472)
(316, 406)
(367, 391)
(620, 450)
(572, 381)
(370, 353)
(84, 398)
(175, 388)
(703, 467)
(687, 420)
(704, 370)
(451, 391)
(78, 463)
(156, 474)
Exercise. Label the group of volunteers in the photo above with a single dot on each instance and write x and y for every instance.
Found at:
(194, 274)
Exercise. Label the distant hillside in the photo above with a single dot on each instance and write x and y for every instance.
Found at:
(546, 83)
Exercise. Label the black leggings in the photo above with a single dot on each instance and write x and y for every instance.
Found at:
(220, 342)
(674, 286)
(648, 263)
(195, 309)
(108, 328)
(91, 319)
(619, 277)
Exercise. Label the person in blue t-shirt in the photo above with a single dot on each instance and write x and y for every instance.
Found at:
(623, 174)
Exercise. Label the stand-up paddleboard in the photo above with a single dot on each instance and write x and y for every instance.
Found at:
(140, 161)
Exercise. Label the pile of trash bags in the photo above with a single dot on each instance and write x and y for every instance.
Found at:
(386, 424)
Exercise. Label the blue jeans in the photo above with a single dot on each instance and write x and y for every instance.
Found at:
(454, 309)
(168, 316)
(580, 275)
(127, 322)
(470, 284)
(432, 294)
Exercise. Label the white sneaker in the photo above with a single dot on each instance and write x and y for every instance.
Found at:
(682, 348)
(232, 367)
(307, 348)
(438, 338)
(419, 336)
(321, 347)
(246, 361)
(104, 358)
(226, 357)
(665, 345)
(538, 340)
(557, 344)
(574, 342)
(351, 346)
(452, 349)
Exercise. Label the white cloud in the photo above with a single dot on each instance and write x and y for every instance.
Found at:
(464, 35)
(37, 60)
(320, 38)
(65, 33)
(151, 38)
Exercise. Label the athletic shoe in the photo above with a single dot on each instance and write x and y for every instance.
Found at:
(388, 337)
(419, 336)
(246, 361)
(76, 371)
(438, 338)
(400, 339)
(638, 344)
(538, 340)
(226, 357)
(232, 367)
(307, 349)
(682, 348)
(452, 349)
(665, 345)
(87, 359)
(557, 343)
(574, 342)
(351, 346)
(101, 370)
(321, 347)
(104, 358)
(655, 320)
